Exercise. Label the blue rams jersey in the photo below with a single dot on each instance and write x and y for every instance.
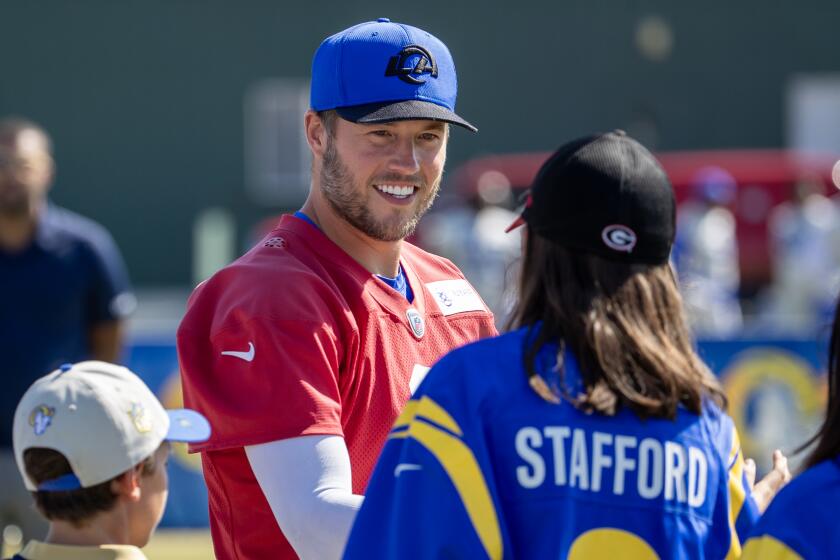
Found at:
(479, 466)
(801, 522)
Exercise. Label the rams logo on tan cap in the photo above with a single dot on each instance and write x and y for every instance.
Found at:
(141, 418)
(41, 418)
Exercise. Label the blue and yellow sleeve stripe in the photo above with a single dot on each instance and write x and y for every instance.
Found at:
(742, 516)
(430, 425)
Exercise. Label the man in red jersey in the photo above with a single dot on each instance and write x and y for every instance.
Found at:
(303, 352)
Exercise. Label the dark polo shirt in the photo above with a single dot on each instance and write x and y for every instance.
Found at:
(51, 293)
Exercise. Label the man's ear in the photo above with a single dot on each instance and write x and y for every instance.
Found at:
(316, 133)
(127, 484)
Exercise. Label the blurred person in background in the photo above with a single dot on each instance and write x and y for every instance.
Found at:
(64, 292)
(802, 520)
(805, 240)
(473, 236)
(706, 254)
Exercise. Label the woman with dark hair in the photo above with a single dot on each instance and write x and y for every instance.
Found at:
(592, 429)
(802, 522)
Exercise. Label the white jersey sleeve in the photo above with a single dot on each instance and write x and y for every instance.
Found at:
(307, 482)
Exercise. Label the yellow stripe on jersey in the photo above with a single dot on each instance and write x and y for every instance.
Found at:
(766, 547)
(462, 468)
(407, 415)
(737, 494)
(398, 435)
(429, 409)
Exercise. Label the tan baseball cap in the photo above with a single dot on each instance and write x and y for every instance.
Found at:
(102, 418)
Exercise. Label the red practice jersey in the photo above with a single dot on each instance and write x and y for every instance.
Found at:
(296, 338)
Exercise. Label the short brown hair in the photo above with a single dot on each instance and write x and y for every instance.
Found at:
(75, 506)
(623, 322)
(329, 118)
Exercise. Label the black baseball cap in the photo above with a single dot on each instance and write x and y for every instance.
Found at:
(604, 195)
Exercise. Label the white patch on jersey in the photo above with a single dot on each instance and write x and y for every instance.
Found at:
(455, 296)
(418, 374)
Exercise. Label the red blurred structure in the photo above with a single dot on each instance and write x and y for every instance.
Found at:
(765, 178)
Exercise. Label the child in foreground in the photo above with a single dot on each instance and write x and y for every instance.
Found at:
(91, 442)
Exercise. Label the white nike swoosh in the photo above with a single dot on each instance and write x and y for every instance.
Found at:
(406, 467)
(247, 356)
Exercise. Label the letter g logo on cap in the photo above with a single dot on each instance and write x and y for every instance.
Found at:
(619, 238)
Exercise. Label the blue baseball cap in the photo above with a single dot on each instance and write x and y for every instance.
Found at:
(380, 71)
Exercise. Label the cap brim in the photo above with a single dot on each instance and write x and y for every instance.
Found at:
(187, 425)
(526, 201)
(519, 222)
(390, 111)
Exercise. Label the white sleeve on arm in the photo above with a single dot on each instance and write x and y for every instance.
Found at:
(307, 483)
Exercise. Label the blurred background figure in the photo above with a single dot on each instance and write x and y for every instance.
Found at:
(472, 234)
(64, 293)
(706, 254)
(805, 241)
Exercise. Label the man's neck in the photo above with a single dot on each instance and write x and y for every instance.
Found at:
(17, 231)
(378, 257)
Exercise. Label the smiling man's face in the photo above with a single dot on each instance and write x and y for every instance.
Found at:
(381, 178)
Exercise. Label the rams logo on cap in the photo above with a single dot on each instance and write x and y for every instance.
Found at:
(411, 63)
(141, 418)
(41, 418)
(619, 238)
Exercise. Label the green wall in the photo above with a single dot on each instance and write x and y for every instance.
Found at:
(144, 98)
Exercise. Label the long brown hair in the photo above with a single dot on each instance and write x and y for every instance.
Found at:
(623, 322)
(827, 437)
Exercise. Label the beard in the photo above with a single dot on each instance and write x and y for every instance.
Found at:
(339, 188)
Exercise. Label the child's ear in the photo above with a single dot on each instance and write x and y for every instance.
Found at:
(128, 484)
